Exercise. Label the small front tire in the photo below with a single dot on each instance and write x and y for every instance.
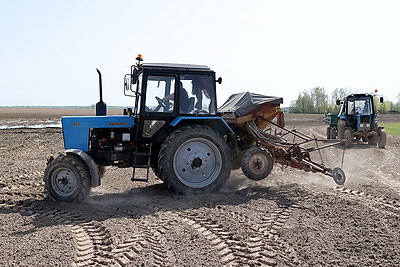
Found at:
(67, 179)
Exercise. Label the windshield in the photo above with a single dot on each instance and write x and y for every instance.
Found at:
(359, 105)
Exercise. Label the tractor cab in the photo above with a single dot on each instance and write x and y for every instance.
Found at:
(168, 93)
(358, 110)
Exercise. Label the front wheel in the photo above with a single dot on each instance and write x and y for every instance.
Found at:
(67, 179)
(195, 159)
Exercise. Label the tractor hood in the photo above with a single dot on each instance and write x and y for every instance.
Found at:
(242, 103)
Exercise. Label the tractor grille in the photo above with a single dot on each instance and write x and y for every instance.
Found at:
(365, 123)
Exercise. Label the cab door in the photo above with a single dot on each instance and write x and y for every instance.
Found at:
(157, 109)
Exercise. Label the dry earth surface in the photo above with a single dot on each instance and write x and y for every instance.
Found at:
(292, 218)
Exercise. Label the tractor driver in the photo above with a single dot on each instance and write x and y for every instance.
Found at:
(183, 98)
(200, 89)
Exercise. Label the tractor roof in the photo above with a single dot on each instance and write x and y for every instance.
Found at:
(359, 95)
(174, 66)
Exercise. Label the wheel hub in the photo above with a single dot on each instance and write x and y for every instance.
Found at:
(257, 164)
(64, 182)
(197, 162)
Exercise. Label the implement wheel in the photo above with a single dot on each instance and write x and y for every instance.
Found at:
(257, 163)
(67, 179)
(338, 176)
(194, 160)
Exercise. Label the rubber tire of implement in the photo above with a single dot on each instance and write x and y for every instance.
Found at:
(257, 163)
(338, 176)
(79, 183)
(194, 160)
(382, 139)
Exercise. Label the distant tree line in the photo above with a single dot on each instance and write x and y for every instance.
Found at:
(318, 101)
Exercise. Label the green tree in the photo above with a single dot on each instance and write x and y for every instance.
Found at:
(303, 104)
(320, 99)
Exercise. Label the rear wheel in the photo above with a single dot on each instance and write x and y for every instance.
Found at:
(67, 179)
(382, 138)
(348, 136)
(195, 159)
(333, 133)
(340, 129)
(257, 163)
(328, 132)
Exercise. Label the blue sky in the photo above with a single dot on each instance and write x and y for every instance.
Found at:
(49, 50)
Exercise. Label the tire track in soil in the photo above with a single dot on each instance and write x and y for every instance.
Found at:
(92, 241)
(268, 223)
(148, 243)
(28, 181)
(381, 203)
(262, 246)
(385, 168)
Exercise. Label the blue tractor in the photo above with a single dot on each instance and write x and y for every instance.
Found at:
(356, 120)
(173, 128)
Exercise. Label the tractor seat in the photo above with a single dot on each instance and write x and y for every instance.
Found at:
(188, 105)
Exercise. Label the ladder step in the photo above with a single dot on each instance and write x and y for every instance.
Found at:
(142, 166)
(139, 179)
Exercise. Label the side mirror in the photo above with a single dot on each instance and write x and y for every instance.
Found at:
(381, 99)
(219, 80)
(134, 76)
(338, 102)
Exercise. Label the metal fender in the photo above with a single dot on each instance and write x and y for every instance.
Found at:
(92, 166)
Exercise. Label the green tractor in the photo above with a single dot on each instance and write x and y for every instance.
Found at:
(356, 120)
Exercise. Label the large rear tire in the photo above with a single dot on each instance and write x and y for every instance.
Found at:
(333, 133)
(328, 132)
(67, 179)
(194, 160)
(348, 136)
(257, 163)
(340, 129)
(382, 139)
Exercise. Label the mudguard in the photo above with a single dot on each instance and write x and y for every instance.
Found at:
(92, 166)
(216, 123)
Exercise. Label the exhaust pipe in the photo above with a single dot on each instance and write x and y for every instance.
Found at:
(101, 107)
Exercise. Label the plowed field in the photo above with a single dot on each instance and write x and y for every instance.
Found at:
(291, 218)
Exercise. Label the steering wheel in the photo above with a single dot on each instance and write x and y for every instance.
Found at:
(160, 102)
